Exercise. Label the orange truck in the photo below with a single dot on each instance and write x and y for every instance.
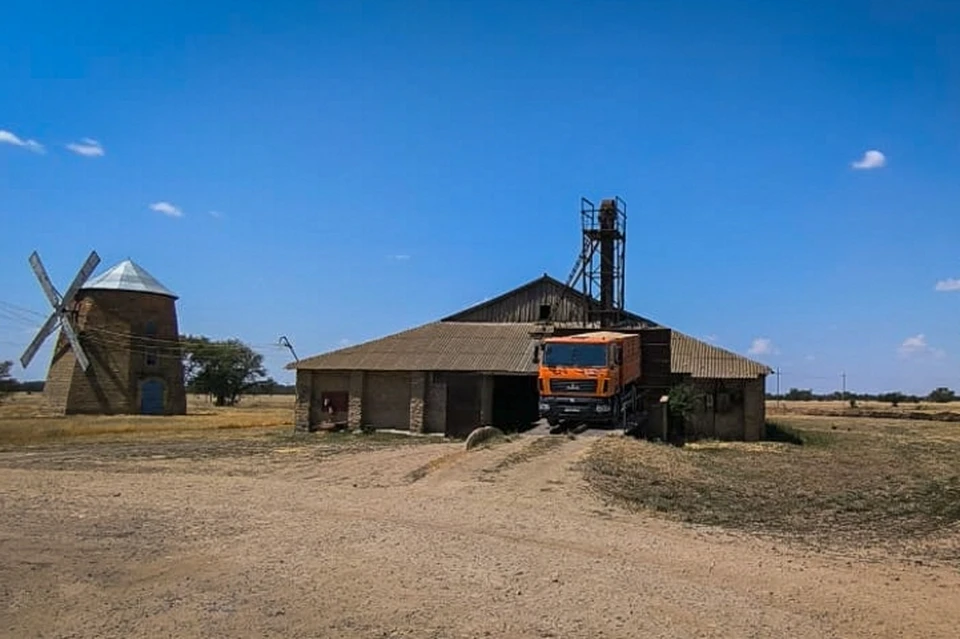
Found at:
(589, 377)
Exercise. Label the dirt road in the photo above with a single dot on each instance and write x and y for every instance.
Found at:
(422, 541)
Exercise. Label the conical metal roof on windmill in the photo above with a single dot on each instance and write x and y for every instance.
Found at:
(128, 276)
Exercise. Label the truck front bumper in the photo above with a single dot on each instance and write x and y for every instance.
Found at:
(583, 409)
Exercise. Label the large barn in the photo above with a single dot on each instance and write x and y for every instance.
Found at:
(476, 367)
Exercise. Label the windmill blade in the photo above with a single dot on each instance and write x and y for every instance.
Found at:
(49, 290)
(82, 276)
(48, 327)
(75, 343)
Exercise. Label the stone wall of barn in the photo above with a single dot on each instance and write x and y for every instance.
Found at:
(728, 409)
(418, 401)
(435, 411)
(130, 339)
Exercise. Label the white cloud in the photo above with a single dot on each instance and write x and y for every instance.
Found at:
(216, 214)
(711, 338)
(872, 159)
(6, 137)
(762, 346)
(344, 342)
(809, 358)
(400, 258)
(948, 285)
(87, 147)
(166, 208)
(917, 346)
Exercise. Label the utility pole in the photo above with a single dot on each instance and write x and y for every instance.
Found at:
(285, 342)
(843, 386)
(779, 405)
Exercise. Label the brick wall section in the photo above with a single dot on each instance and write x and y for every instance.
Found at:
(435, 418)
(355, 410)
(729, 424)
(301, 409)
(386, 399)
(113, 332)
(418, 387)
(712, 422)
(754, 409)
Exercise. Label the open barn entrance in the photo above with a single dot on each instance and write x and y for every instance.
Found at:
(515, 402)
(463, 404)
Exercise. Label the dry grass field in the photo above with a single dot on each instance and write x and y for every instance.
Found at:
(22, 420)
(888, 486)
(905, 410)
(227, 523)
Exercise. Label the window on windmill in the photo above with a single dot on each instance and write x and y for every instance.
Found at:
(150, 330)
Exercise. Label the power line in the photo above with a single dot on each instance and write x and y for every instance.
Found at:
(22, 309)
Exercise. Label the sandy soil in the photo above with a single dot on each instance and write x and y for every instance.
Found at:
(420, 541)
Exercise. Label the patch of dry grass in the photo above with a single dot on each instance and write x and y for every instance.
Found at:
(22, 420)
(434, 464)
(848, 480)
(539, 446)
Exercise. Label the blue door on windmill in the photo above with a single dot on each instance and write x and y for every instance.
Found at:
(151, 397)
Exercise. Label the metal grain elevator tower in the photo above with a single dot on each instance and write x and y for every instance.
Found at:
(603, 256)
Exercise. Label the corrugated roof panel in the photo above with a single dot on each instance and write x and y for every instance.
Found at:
(692, 357)
(440, 346)
(505, 348)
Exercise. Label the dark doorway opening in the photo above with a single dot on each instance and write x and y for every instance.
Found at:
(515, 402)
(463, 404)
(151, 397)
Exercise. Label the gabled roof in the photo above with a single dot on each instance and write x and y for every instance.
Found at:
(551, 282)
(453, 344)
(485, 347)
(128, 276)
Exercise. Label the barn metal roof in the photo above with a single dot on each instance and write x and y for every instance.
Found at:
(460, 343)
(692, 357)
(440, 346)
(128, 276)
(488, 347)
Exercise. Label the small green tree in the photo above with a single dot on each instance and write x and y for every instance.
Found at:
(799, 395)
(942, 395)
(682, 404)
(7, 383)
(895, 398)
(225, 370)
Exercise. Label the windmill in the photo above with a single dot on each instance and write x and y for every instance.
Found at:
(62, 306)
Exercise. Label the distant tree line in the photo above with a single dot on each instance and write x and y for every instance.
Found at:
(940, 395)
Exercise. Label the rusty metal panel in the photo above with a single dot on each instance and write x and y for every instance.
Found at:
(655, 357)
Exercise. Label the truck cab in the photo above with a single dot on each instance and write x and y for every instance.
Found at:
(587, 377)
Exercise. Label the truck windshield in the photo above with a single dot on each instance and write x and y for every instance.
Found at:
(586, 355)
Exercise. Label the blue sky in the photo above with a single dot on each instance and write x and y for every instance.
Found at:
(344, 170)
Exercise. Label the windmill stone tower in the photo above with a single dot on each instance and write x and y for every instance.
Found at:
(118, 349)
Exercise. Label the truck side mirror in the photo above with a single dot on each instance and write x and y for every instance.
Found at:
(536, 354)
(617, 356)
